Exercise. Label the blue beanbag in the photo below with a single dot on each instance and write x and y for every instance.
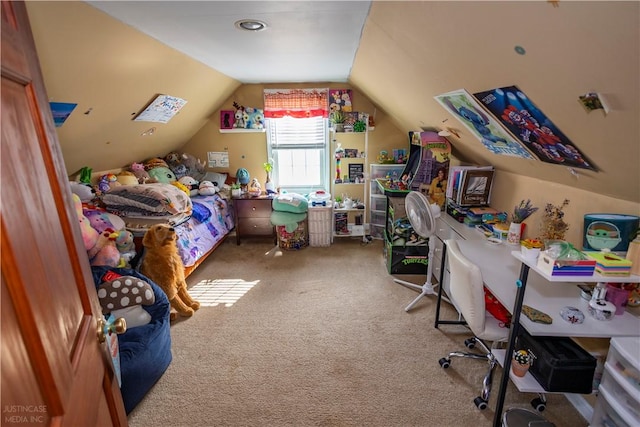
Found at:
(145, 351)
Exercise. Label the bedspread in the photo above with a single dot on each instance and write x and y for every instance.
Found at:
(203, 231)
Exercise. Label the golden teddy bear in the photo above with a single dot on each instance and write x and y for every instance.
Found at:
(162, 264)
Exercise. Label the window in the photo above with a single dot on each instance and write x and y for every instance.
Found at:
(298, 147)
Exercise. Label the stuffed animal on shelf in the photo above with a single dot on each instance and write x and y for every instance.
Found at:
(162, 264)
(255, 189)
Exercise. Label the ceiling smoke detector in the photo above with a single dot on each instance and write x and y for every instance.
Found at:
(250, 25)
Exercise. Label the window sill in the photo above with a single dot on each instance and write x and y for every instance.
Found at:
(242, 130)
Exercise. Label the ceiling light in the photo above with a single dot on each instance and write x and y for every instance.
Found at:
(250, 25)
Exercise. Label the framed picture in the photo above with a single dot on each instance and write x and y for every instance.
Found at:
(532, 127)
(356, 172)
(227, 119)
(340, 100)
(351, 153)
(490, 132)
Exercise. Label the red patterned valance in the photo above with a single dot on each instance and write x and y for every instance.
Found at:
(298, 103)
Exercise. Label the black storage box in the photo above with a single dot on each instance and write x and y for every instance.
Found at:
(560, 364)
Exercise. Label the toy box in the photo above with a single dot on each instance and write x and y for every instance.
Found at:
(406, 259)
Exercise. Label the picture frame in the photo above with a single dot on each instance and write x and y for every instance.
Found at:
(341, 100)
(350, 153)
(227, 119)
(483, 126)
(356, 172)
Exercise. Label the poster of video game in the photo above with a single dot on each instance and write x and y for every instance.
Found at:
(525, 121)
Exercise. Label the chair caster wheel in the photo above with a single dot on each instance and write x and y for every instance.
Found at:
(470, 343)
(480, 403)
(444, 362)
(538, 404)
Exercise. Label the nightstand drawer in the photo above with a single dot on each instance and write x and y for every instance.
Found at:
(254, 208)
(255, 227)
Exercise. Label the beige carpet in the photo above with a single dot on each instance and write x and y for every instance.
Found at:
(317, 337)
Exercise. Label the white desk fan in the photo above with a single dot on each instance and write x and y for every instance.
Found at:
(422, 217)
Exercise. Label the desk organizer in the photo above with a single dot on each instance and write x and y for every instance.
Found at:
(555, 267)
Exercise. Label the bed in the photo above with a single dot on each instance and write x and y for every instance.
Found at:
(202, 222)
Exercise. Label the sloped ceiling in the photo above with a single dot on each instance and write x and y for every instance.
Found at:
(409, 52)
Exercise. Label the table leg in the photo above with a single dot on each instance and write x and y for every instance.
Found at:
(513, 333)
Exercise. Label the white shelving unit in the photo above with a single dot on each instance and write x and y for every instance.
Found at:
(618, 401)
(355, 141)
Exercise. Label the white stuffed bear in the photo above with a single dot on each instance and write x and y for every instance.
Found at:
(207, 188)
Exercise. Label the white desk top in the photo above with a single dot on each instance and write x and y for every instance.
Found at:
(500, 271)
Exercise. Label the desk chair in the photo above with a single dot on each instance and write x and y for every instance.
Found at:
(467, 295)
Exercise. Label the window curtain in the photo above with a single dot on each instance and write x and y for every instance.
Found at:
(297, 103)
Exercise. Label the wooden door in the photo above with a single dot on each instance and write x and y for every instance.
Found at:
(53, 370)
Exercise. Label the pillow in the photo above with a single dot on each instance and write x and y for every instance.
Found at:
(218, 179)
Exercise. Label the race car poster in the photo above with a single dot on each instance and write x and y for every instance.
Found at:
(493, 136)
(524, 120)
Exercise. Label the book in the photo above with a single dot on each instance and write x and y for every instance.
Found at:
(475, 188)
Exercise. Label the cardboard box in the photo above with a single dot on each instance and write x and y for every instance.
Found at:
(556, 267)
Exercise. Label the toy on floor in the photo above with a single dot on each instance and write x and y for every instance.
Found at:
(162, 264)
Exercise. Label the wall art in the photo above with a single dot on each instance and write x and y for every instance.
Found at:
(532, 127)
(490, 132)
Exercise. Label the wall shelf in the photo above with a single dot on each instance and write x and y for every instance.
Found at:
(242, 130)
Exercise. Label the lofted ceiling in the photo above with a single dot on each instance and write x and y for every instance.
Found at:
(399, 54)
(303, 41)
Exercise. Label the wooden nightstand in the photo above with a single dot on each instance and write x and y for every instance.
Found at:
(253, 217)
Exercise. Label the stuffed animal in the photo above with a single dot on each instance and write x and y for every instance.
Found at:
(174, 161)
(127, 178)
(124, 297)
(107, 182)
(181, 186)
(105, 251)
(207, 188)
(101, 220)
(162, 264)
(84, 191)
(126, 247)
(254, 187)
(191, 184)
(89, 234)
(162, 174)
(195, 167)
(140, 172)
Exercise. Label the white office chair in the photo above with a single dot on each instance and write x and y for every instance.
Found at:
(467, 295)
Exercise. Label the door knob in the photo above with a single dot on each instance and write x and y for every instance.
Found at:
(119, 326)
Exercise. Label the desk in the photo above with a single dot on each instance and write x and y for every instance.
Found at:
(503, 269)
